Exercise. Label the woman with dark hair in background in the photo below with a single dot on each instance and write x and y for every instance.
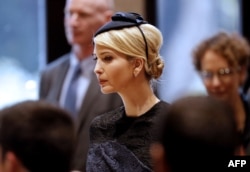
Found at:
(222, 62)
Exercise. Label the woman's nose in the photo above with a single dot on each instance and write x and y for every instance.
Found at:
(97, 68)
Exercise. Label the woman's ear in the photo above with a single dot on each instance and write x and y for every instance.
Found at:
(138, 65)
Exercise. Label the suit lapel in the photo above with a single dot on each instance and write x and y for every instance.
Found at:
(90, 98)
(60, 77)
(55, 78)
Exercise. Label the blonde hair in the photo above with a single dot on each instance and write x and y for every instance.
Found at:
(130, 41)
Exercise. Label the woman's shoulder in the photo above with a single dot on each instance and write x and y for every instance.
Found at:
(103, 126)
(161, 108)
(157, 110)
(163, 105)
(108, 117)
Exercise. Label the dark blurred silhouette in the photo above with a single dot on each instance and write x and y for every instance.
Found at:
(36, 136)
(196, 134)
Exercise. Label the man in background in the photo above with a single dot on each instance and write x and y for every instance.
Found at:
(82, 19)
(36, 136)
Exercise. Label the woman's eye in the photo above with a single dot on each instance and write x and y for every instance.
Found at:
(107, 58)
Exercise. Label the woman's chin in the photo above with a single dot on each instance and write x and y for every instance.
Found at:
(106, 91)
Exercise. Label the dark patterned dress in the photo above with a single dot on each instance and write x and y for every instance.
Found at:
(121, 143)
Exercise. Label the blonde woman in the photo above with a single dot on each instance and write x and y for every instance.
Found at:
(127, 58)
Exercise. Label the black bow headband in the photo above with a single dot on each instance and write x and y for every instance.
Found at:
(122, 20)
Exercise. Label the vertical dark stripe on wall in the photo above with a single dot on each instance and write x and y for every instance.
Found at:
(150, 6)
(245, 27)
(56, 40)
(245, 14)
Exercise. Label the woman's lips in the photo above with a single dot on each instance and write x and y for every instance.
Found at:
(102, 81)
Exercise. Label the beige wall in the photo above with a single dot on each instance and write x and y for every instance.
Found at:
(137, 6)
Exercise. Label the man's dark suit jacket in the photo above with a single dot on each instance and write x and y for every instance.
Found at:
(95, 103)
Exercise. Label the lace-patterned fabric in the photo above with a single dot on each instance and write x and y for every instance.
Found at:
(121, 143)
(112, 156)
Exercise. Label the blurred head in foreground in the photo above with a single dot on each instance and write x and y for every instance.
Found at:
(35, 136)
(197, 133)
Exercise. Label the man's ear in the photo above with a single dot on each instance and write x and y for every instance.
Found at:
(12, 163)
(108, 14)
(138, 65)
(158, 158)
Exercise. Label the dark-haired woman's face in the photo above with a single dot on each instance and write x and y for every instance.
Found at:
(220, 79)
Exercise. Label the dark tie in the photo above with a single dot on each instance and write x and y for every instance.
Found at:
(70, 99)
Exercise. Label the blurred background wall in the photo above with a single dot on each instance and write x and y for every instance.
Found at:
(32, 35)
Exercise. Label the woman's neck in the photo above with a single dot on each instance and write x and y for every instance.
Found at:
(138, 102)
